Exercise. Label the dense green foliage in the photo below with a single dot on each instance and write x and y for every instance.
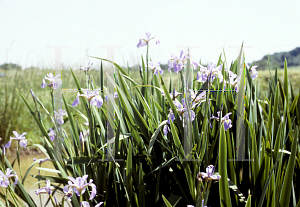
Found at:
(150, 169)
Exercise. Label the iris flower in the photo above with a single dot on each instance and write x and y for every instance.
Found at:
(209, 174)
(59, 116)
(144, 41)
(177, 63)
(4, 182)
(173, 95)
(155, 68)
(79, 186)
(194, 206)
(82, 135)
(45, 190)
(55, 81)
(21, 138)
(252, 71)
(209, 73)
(92, 97)
(225, 120)
(52, 134)
(86, 204)
(181, 109)
(198, 99)
(40, 161)
(166, 129)
(86, 69)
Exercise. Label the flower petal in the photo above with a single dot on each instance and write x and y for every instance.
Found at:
(99, 204)
(44, 84)
(94, 191)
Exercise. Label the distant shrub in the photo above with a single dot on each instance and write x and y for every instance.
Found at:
(10, 66)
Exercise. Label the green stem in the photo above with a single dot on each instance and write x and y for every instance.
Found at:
(39, 185)
(18, 156)
(52, 98)
(53, 202)
(81, 198)
(147, 63)
(207, 192)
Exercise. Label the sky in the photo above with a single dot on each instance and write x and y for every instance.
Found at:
(29, 30)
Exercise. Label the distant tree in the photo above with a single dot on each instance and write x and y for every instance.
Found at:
(10, 66)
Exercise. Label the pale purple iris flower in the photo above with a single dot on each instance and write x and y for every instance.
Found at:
(40, 161)
(181, 109)
(209, 175)
(55, 81)
(45, 190)
(166, 129)
(83, 135)
(21, 138)
(155, 68)
(86, 204)
(252, 71)
(177, 63)
(171, 116)
(173, 95)
(69, 193)
(52, 134)
(209, 73)
(195, 65)
(234, 80)
(225, 120)
(59, 116)
(194, 206)
(86, 69)
(144, 41)
(92, 96)
(79, 186)
(4, 182)
(232, 76)
(197, 99)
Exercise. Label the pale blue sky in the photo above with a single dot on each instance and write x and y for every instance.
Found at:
(27, 28)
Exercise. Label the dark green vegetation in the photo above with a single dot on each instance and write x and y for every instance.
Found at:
(149, 173)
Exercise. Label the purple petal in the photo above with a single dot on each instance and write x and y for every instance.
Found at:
(44, 84)
(8, 144)
(215, 177)
(177, 104)
(76, 102)
(97, 101)
(94, 191)
(157, 42)
(99, 204)
(227, 124)
(166, 129)
(23, 143)
(85, 204)
(210, 170)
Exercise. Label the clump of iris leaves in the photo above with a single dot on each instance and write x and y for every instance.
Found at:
(149, 166)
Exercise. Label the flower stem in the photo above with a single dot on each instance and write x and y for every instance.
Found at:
(52, 98)
(39, 172)
(147, 63)
(81, 199)
(18, 156)
(53, 202)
